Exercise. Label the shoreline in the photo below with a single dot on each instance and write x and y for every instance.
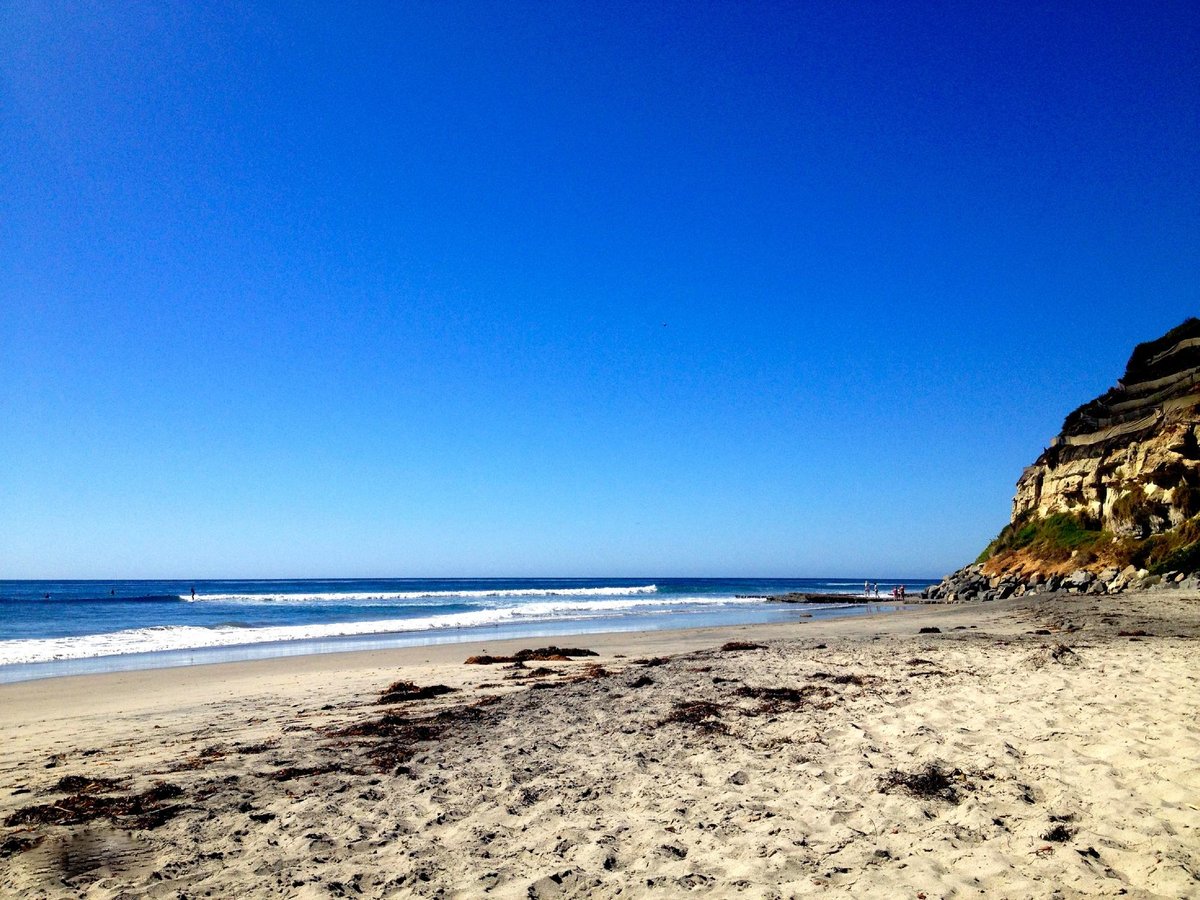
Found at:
(450, 652)
(750, 759)
(769, 615)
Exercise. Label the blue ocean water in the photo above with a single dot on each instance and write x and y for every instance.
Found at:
(65, 627)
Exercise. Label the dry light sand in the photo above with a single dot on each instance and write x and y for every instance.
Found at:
(1053, 757)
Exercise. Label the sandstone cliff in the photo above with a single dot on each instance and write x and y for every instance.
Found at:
(1130, 459)
(1113, 502)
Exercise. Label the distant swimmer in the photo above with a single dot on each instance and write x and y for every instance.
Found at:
(193, 592)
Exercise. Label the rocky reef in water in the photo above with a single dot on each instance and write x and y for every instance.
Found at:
(1114, 502)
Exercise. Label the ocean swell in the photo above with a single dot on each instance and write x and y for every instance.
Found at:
(350, 597)
(192, 637)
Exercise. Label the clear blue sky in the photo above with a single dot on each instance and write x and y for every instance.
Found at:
(569, 289)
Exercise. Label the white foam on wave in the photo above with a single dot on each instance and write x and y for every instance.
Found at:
(360, 596)
(192, 637)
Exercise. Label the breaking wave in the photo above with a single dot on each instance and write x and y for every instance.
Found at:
(194, 637)
(383, 596)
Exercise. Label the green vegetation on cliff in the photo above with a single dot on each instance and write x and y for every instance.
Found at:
(1120, 485)
(1053, 538)
(1177, 550)
(1057, 538)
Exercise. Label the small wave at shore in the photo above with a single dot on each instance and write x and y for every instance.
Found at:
(192, 637)
(377, 596)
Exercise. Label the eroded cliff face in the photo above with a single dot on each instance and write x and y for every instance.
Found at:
(1130, 459)
(1114, 503)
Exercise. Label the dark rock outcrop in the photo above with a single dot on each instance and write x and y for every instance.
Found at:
(971, 583)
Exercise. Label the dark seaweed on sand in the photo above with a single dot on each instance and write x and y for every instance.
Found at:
(735, 646)
(553, 653)
(931, 782)
(201, 759)
(775, 699)
(405, 691)
(1064, 654)
(395, 738)
(542, 654)
(699, 713)
(251, 749)
(591, 672)
(144, 810)
(19, 844)
(392, 726)
(290, 773)
(1060, 834)
(844, 678)
(83, 784)
(523, 671)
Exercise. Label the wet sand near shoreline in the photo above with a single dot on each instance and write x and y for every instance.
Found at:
(1038, 747)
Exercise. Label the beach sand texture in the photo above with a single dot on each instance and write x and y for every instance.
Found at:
(1029, 749)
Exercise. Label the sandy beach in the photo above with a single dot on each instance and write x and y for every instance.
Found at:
(1029, 748)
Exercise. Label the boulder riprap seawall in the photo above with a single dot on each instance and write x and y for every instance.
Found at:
(1112, 504)
(973, 583)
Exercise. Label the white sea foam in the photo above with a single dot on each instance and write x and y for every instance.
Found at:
(191, 637)
(359, 596)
